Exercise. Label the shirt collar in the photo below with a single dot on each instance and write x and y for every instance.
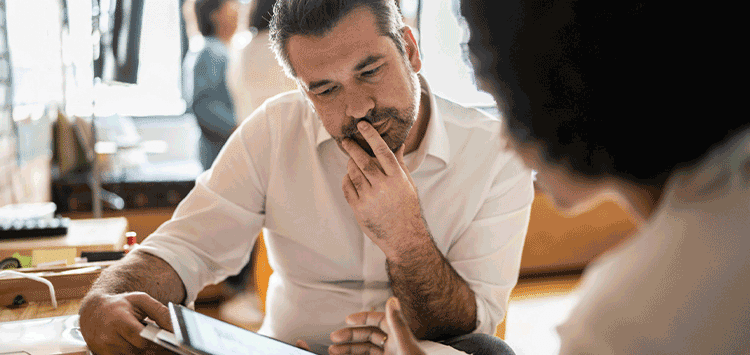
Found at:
(435, 141)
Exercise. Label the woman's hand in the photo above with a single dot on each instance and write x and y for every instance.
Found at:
(376, 333)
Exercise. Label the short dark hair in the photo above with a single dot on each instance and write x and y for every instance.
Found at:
(203, 11)
(260, 18)
(317, 17)
(630, 89)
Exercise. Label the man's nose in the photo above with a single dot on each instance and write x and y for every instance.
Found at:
(359, 102)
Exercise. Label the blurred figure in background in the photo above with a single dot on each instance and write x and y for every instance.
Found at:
(631, 101)
(243, 304)
(254, 76)
(211, 101)
(254, 73)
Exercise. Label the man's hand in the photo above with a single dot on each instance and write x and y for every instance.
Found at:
(111, 324)
(382, 194)
(438, 303)
(376, 333)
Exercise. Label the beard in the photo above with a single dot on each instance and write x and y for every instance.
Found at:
(398, 122)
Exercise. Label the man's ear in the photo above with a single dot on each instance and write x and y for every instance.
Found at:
(411, 48)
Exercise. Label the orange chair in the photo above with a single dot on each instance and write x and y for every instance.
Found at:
(261, 271)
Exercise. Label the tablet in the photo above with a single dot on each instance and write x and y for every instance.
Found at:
(204, 335)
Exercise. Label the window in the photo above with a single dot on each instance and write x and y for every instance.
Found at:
(35, 48)
(157, 91)
(444, 64)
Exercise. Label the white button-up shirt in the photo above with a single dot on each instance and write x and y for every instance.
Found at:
(282, 171)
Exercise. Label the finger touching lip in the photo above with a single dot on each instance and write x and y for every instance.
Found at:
(382, 128)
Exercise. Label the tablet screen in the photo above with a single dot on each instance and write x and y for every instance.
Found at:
(212, 336)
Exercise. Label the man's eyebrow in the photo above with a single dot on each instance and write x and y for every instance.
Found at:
(367, 61)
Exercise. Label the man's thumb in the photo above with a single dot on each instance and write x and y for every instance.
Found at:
(152, 308)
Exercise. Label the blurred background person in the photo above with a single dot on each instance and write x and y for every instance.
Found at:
(211, 102)
(254, 73)
(243, 305)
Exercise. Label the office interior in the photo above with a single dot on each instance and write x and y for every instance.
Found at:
(93, 119)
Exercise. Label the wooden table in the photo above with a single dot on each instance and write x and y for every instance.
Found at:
(107, 234)
(104, 234)
(34, 310)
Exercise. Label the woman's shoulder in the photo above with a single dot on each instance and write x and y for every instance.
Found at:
(724, 170)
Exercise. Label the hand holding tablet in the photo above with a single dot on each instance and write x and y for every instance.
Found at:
(198, 334)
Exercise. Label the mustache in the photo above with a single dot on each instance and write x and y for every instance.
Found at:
(374, 117)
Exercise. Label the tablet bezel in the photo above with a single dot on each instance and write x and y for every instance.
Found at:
(181, 332)
(178, 323)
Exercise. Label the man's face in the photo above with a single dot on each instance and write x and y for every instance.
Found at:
(353, 73)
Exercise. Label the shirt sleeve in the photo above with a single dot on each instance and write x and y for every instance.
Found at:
(488, 253)
(213, 230)
(212, 104)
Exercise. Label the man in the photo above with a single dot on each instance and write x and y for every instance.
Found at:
(366, 184)
(609, 100)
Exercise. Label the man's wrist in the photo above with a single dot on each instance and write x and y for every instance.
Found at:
(413, 245)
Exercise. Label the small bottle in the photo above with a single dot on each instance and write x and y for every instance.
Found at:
(131, 242)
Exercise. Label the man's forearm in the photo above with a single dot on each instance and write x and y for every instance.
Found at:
(436, 300)
(140, 271)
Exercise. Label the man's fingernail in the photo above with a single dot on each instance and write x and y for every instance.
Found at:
(362, 125)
